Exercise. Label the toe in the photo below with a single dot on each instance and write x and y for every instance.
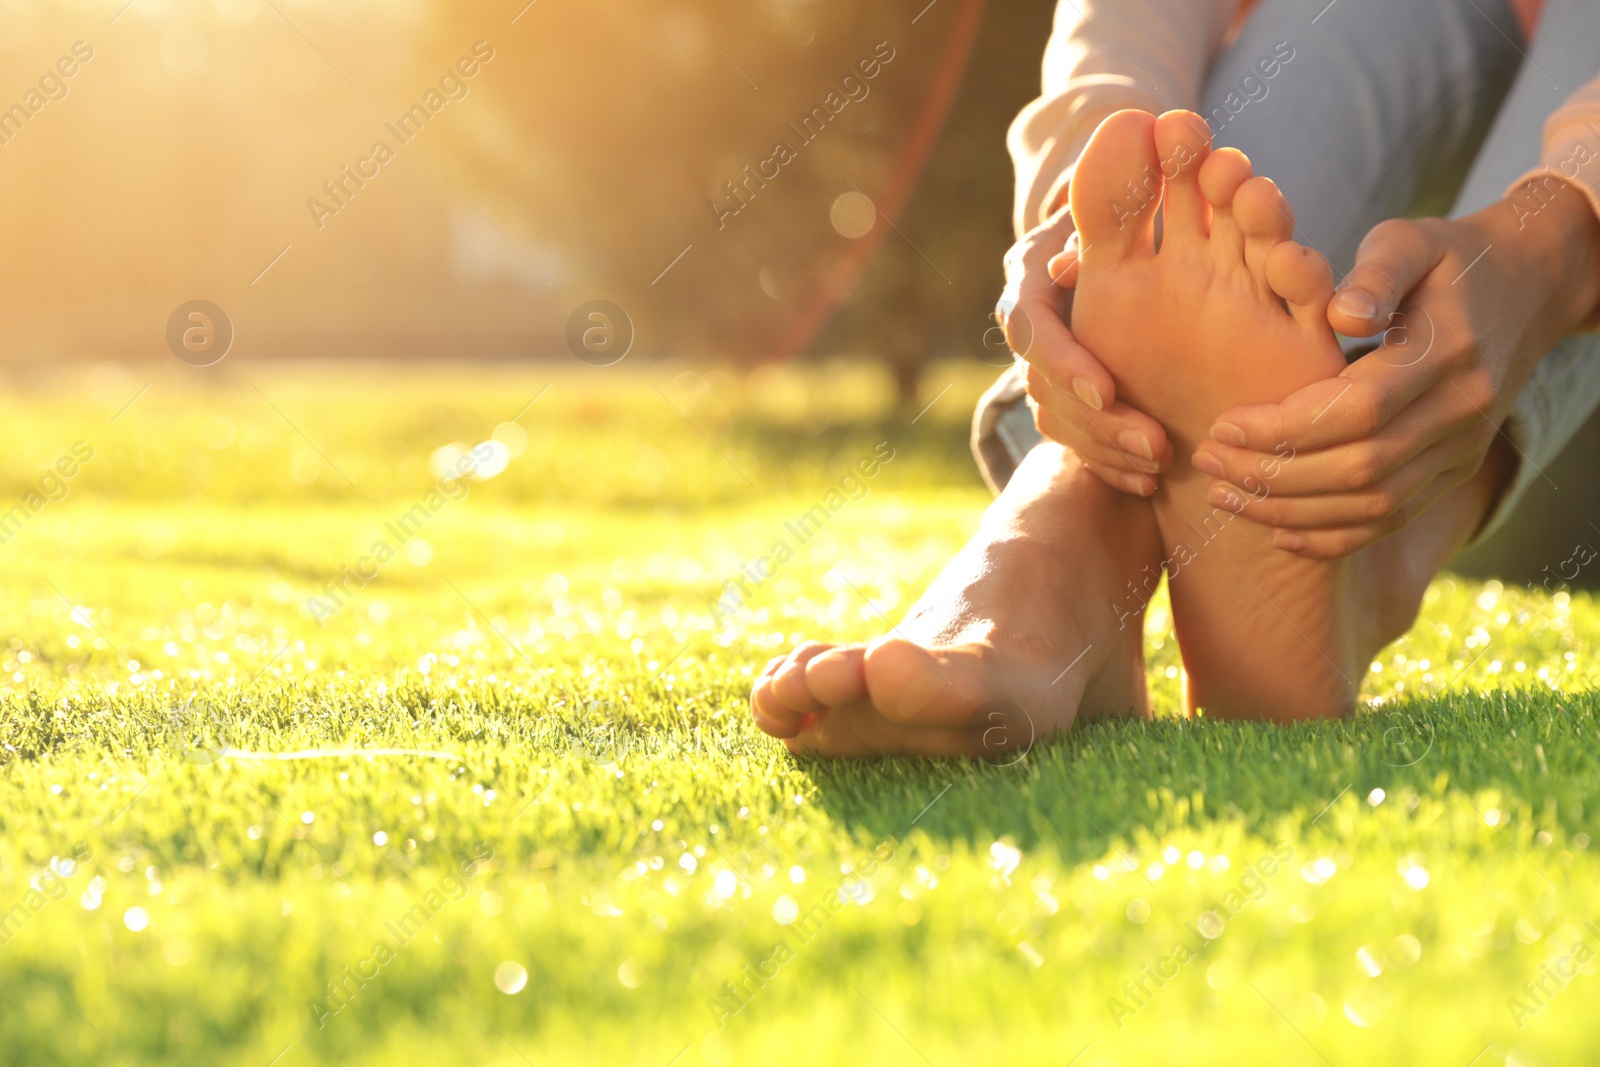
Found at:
(1266, 220)
(1302, 277)
(1116, 187)
(1183, 141)
(838, 676)
(860, 732)
(771, 668)
(1221, 175)
(942, 688)
(788, 684)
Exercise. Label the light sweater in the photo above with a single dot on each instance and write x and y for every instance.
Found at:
(1105, 55)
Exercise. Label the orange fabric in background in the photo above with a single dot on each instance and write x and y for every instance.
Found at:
(1527, 12)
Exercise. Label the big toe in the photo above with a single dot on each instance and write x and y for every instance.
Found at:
(910, 684)
(1116, 187)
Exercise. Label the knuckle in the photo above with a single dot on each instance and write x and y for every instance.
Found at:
(1405, 233)
(1366, 466)
(1469, 470)
(1370, 408)
(1048, 425)
(1380, 505)
(1479, 390)
(1347, 541)
(1037, 384)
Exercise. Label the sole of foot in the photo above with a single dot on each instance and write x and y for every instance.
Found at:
(1228, 311)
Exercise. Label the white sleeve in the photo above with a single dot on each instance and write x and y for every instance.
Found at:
(1103, 56)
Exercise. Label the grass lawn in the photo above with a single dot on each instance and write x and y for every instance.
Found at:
(573, 846)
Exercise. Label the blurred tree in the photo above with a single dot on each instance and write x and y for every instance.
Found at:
(680, 127)
(727, 172)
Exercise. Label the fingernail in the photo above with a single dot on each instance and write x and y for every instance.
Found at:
(1356, 304)
(1136, 442)
(1227, 433)
(1135, 484)
(1209, 464)
(1088, 393)
(1289, 542)
(1222, 497)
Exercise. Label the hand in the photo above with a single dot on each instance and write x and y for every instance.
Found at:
(1075, 396)
(1468, 307)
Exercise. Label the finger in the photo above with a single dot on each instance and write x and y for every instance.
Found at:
(1138, 440)
(1392, 259)
(1091, 446)
(1035, 331)
(1063, 266)
(1064, 269)
(1335, 543)
(1374, 504)
(1357, 403)
(1026, 261)
(1116, 478)
(1341, 468)
(1109, 464)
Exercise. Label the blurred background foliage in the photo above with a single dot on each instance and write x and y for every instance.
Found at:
(579, 162)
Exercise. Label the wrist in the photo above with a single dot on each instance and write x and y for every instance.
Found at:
(1557, 233)
(1577, 238)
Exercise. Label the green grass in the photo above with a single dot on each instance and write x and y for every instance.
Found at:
(603, 817)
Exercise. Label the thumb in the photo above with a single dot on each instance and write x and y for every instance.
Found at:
(1391, 261)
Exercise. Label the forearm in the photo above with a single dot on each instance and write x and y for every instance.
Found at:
(1552, 229)
(1105, 55)
(1556, 205)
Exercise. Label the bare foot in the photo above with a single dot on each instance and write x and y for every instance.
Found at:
(1016, 638)
(1231, 311)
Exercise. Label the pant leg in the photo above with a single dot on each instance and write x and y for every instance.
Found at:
(1553, 504)
(1378, 114)
(1360, 113)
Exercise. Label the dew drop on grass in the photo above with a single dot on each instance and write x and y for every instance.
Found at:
(1404, 951)
(510, 977)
